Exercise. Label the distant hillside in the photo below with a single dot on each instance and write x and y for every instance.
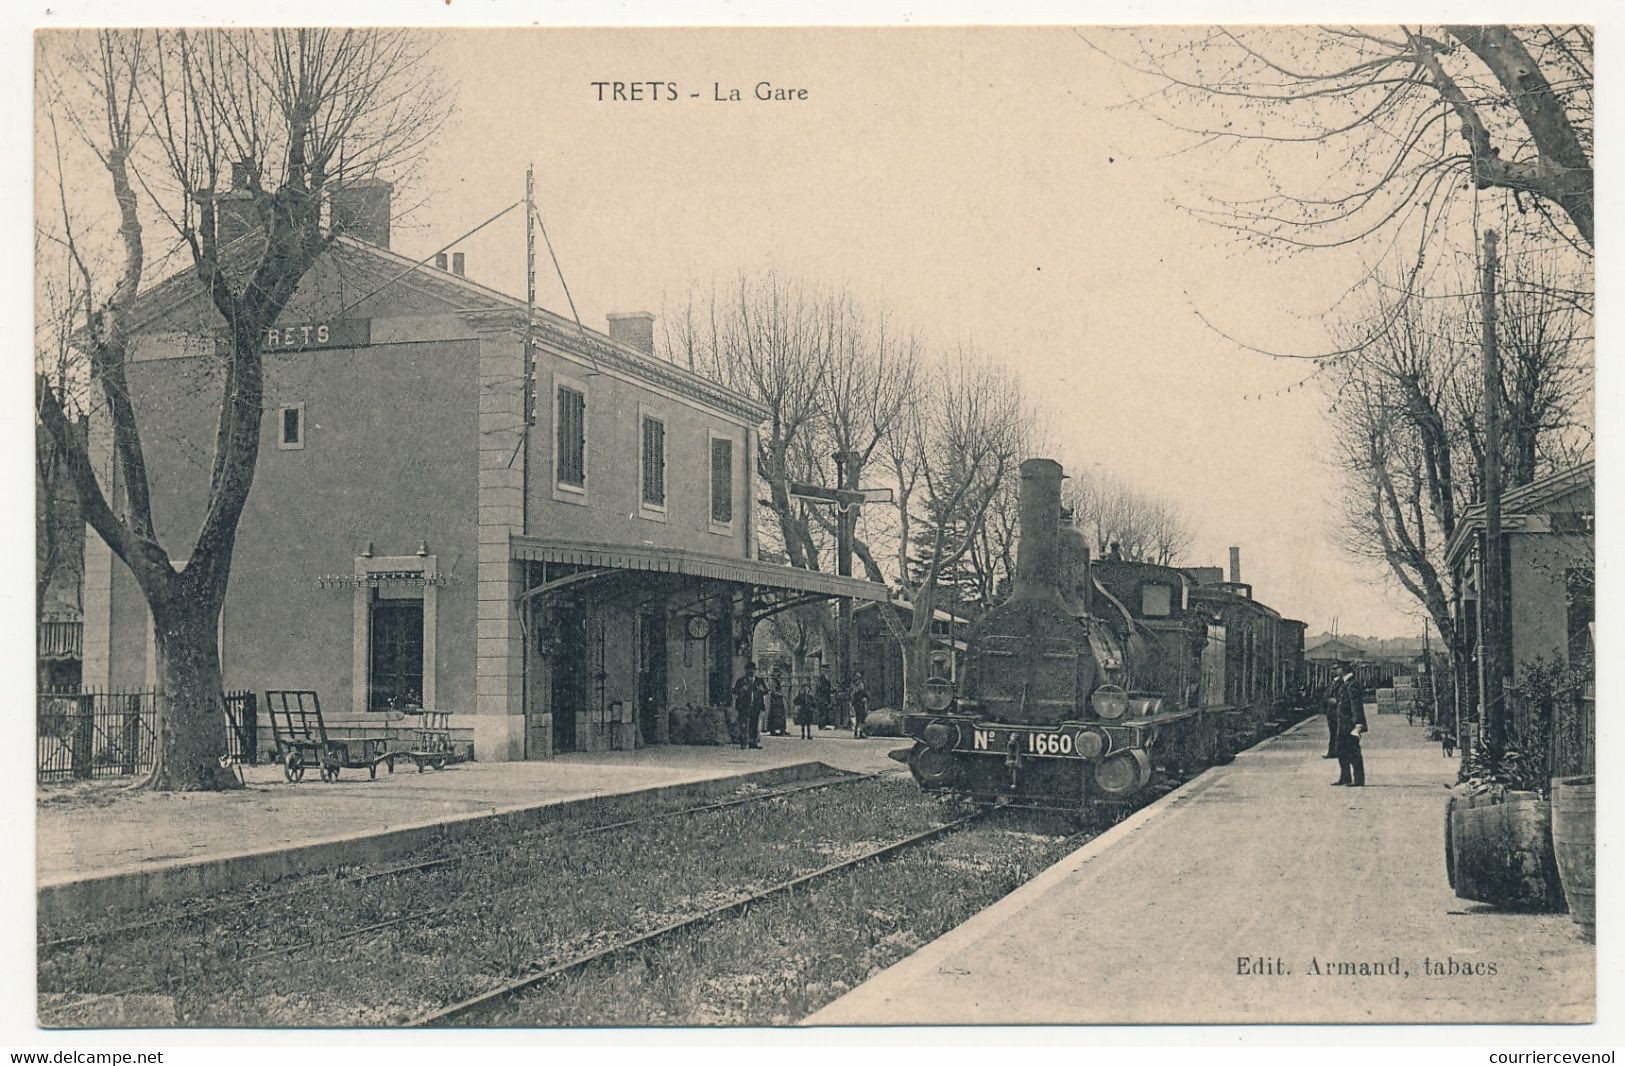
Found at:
(1383, 646)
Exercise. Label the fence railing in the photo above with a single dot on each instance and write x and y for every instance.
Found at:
(60, 640)
(111, 734)
(1574, 735)
(1557, 731)
(242, 727)
(95, 734)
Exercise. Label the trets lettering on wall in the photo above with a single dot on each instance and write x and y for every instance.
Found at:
(299, 336)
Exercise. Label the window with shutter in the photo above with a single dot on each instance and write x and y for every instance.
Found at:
(572, 437)
(722, 480)
(654, 462)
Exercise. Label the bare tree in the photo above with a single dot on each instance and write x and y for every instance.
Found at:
(162, 118)
(1355, 130)
(1145, 527)
(957, 446)
(862, 400)
(58, 527)
(773, 340)
(1407, 409)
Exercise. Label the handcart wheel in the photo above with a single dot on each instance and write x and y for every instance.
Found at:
(440, 764)
(293, 766)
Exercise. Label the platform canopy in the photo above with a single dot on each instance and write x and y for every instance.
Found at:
(811, 584)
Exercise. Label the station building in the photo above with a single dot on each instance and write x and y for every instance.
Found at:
(557, 582)
(1549, 587)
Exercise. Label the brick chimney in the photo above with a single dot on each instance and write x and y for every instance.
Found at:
(635, 329)
(234, 213)
(360, 209)
(1235, 566)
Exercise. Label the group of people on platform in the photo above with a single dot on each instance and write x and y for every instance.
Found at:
(1345, 719)
(816, 704)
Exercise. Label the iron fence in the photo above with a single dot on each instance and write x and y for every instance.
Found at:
(94, 734)
(242, 728)
(1574, 735)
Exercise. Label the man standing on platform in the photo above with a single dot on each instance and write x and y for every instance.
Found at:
(824, 697)
(1350, 724)
(1331, 708)
(749, 695)
(860, 704)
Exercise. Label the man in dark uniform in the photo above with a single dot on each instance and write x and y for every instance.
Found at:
(1350, 724)
(749, 695)
(824, 697)
(1331, 709)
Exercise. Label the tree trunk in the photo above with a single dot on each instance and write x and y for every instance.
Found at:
(191, 720)
(917, 650)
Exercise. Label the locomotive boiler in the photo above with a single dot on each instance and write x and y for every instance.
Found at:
(1092, 675)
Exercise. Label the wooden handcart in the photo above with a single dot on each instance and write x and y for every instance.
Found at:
(302, 741)
(431, 742)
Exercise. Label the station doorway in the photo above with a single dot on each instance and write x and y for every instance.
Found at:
(651, 672)
(569, 676)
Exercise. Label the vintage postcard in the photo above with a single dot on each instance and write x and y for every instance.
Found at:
(814, 527)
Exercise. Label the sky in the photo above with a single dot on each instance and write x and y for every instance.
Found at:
(985, 185)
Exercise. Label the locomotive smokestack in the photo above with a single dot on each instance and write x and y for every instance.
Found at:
(1235, 566)
(1038, 555)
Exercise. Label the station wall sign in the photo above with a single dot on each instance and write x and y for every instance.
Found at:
(302, 336)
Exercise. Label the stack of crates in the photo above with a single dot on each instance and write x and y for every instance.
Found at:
(1405, 693)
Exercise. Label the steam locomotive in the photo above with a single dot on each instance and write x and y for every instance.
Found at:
(1095, 674)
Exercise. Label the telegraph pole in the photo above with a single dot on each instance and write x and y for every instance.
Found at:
(846, 478)
(1492, 652)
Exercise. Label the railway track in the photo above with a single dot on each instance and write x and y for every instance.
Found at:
(438, 862)
(466, 1011)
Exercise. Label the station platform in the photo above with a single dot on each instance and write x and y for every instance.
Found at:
(101, 844)
(1255, 893)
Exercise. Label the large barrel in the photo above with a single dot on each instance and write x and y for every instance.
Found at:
(1503, 853)
(1574, 838)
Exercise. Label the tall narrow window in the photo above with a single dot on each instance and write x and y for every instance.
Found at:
(291, 427)
(572, 437)
(654, 462)
(396, 679)
(722, 480)
(1581, 582)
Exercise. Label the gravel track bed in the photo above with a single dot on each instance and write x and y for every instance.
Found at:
(535, 897)
(789, 956)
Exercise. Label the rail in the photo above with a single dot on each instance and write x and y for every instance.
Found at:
(422, 866)
(474, 1004)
